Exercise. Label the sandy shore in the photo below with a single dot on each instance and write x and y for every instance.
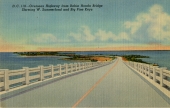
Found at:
(95, 58)
(101, 58)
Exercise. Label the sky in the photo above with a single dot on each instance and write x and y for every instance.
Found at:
(115, 25)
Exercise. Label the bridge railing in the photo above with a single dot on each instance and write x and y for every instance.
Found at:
(15, 78)
(159, 75)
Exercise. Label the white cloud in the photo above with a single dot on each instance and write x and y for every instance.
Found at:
(48, 38)
(84, 34)
(45, 38)
(123, 35)
(152, 26)
(87, 34)
(104, 36)
(76, 36)
(133, 26)
(155, 23)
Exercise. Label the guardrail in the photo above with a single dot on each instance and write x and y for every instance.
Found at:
(159, 76)
(15, 78)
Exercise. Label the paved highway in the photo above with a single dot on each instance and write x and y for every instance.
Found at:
(114, 85)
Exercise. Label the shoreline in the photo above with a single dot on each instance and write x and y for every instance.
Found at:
(77, 60)
(83, 58)
(41, 56)
(124, 59)
(90, 58)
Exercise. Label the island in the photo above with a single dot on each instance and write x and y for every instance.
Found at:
(135, 58)
(92, 58)
(69, 56)
(85, 58)
(36, 53)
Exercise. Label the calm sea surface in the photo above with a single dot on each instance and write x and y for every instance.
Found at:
(159, 57)
(14, 61)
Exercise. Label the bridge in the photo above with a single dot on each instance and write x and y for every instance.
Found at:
(101, 84)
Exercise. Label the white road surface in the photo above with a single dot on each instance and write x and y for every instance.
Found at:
(114, 85)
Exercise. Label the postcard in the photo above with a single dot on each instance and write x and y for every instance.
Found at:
(84, 53)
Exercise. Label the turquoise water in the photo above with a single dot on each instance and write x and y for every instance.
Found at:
(162, 58)
(14, 61)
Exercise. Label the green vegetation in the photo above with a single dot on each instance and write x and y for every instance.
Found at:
(71, 56)
(54, 53)
(36, 53)
(113, 57)
(65, 54)
(82, 57)
(135, 58)
(93, 60)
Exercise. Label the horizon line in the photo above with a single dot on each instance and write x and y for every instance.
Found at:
(84, 50)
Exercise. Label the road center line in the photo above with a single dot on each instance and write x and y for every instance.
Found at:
(88, 92)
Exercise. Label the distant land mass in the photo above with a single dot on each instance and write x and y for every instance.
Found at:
(45, 53)
(92, 58)
(70, 56)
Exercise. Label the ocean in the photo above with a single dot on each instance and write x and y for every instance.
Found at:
(15, 61)
(162, 58)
